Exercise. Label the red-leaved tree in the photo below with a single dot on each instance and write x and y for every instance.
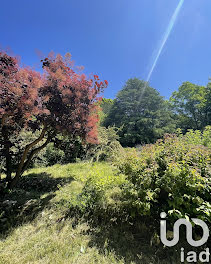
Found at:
(57, 101)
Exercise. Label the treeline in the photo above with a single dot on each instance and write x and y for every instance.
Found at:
(137, 116)
(142, 115)
(55, 117)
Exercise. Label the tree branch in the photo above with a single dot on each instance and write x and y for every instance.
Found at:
(20, 170)
(33, 152)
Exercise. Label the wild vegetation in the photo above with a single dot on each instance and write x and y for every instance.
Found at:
(84, 179)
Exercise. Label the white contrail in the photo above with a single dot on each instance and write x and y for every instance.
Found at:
(166, 36)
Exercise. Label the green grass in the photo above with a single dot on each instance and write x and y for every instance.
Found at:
(45, 225)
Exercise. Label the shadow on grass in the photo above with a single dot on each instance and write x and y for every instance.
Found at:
(32, 194)
(137, 244)
(131, 243)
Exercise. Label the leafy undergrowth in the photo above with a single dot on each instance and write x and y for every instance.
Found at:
(54, 216)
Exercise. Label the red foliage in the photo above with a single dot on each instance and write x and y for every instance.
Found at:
(61, 98)
(18, 93)
(71, 98)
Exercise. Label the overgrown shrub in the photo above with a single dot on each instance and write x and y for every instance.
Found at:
(49, 156)
(197, 137)
(101, 191)
(173, 175)
(108, 147)
(98, 196)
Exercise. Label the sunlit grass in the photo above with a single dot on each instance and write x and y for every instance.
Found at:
(46, 239)
(43, 229)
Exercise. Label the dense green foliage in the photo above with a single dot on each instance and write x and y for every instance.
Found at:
(173, 175)
(191, 105)
(141, 113)
(108, 145)
(106, 105)
(144, 116)
(62, 150)
(109, 203)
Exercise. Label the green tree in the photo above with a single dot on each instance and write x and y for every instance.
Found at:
(105, 105)
(208, 103)
(141, 113)
(191, 105)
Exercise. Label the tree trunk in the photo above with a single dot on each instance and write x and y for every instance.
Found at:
(7, 145)
(23, 165)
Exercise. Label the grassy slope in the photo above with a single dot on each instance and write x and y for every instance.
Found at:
(38, 229)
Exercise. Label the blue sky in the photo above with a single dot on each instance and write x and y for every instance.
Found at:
(114, 38)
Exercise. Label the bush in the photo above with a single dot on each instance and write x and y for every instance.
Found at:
(53, 155)
(172, 175)
(101, 190)
(64, 150)
(197, 137)
(108, 147)
(99, 198)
